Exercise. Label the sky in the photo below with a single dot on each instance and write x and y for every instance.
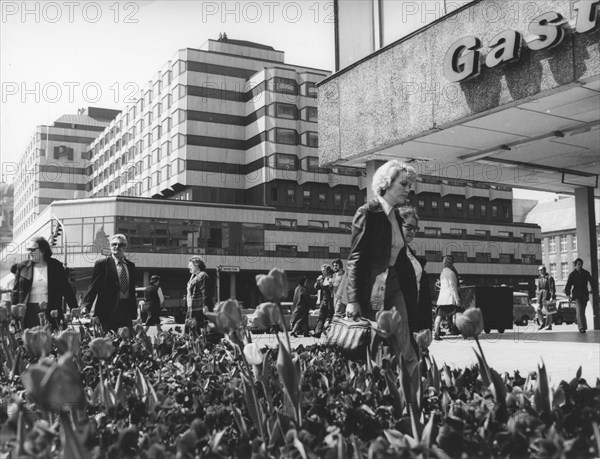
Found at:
(57, 57)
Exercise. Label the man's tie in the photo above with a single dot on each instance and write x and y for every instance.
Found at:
(123, 277)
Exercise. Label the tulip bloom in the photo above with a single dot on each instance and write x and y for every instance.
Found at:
(470, 323)
(423, 339)
(68, 341)
(55, 386)
(75, 312)
(389, 322)
(229, 315)
(253, 354)
(124, 333)
(18, 310)
(268, 314)
(37, 340)
(102, 348)
(54, 313)
(274, 286)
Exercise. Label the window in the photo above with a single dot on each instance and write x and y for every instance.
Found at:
(285, 136)
(421, 204)
(156, 153)
(563, 242)
(552, 244)
(564, 270)
(528, 259)
(167, 100)
(434, 204)
(494, 211)
(287, 162)
(287, 111)
(322, 198)
(429, 231)
(457, 232)
(574, 243)
(459, 206)
(506, 234)
(506, 211)
(318, 224)
(553, 269)
(311, 89)
(274, 194)
(166, 125)
(311, 114)
(483, 257)
(291, 195)
(447, 205)
(285, 85)
(483, 210)
(312, 139)
(285, 223)
(528, 237)
(287, 250)
(471, 210)
(433, 255)
(352, 200)
(506, 258)
(484, 233)
(460, 257)
(318, 251)
(337, 199)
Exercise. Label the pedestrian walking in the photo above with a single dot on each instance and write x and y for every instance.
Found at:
(112, 288)
(546, 292)
(41, 284)
(577, 290)
(339, 307)
(448, 298)
(153, 302)
(301, 309)
(197, 292)
(324, 287)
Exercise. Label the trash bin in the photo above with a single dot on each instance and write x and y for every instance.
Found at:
(496, 304)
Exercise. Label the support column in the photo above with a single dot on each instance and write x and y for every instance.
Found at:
(146, 280)
(372, 166)
(587, 242)
(232, 280)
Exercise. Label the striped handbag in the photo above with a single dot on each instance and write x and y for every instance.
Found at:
(351, 337)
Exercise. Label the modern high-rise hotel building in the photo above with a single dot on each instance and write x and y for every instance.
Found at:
(218, 157)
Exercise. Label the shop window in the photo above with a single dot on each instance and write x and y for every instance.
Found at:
(528, 259)
(483, 257)
(433, 255)
(318, 224)
(505, 258)
(285, 223)
(459, 257)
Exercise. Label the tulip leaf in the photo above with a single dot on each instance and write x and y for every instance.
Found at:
(394, 392)
(290, 378)
(429, 432)
(239, 420)
(252, 404)
(499, 388)
(73, 446)
(542, 391)
(436, 374)
(483, 370)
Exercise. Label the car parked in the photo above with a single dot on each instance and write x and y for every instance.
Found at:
(523, 311)
(256, 327)
(565, 312)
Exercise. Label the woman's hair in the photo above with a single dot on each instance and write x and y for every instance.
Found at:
(408, 211)
(44, 247)
(198, 261)
(339, 262)
(387, 173)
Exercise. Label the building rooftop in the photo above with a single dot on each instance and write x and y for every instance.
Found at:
(558, 215)
(82, 120)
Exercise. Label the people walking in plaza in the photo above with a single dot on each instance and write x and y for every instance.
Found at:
(41, 284)
(113, 288)
(153, 299)
(324, 287)
(546, 292)
(197, 291)
(373, 268)
(577, 290)
(338, 274)
(448, 299)
(301, 308)
(414, 282)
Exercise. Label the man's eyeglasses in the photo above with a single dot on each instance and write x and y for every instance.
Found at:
(32, 249)
(118, 244)
(416, 229)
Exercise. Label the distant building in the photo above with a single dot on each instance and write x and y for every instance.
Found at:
(6, 212)
(559, 239)
(218, 157)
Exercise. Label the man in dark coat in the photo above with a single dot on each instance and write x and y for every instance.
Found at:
(113, 288)
(153, 298)
(577, 289)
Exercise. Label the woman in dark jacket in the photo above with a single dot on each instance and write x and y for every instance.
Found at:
(41, 283)
(414, 282)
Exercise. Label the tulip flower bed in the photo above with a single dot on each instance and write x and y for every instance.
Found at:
(80, 393)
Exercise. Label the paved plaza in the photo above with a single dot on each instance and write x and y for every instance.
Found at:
(562, 349)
